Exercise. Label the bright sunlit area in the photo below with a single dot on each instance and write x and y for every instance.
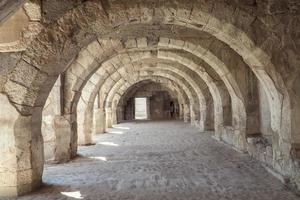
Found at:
(73, 195)
(114, 131)
(102, 158)
(141, 112)
(120, 127)
(109, 144)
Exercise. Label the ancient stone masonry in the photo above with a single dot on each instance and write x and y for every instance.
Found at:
(21, 27)
(70, 70)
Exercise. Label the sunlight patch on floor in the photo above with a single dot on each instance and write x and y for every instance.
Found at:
(120, 127)
(75, 195)
(109, 144)
(116, 132)
(99, 158)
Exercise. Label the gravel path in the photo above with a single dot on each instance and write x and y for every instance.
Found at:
(168, 160)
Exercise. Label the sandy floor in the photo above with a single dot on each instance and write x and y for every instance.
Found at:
(159, 161)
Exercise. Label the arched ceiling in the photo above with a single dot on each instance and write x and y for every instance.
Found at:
(139, 87)
(219, 45)
(211, 51)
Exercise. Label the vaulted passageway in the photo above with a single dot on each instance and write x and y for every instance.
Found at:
(70, 70)
(159, 160)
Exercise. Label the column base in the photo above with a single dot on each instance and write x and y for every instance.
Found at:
(15, 191)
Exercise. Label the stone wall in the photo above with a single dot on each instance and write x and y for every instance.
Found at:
(160, 106)
(264, 114)
(51, 109)
(159, 103)
(129, 110)
(55, 128)
(23, 25)
(236, 59)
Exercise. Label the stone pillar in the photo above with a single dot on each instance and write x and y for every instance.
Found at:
(21, 150)
(120, 113)
(186, 113)
(84, 124)
(59, 150)
(73, 132)
(99, 123)
(63, 132)
(148, 108)
(181, 111)
(108, 114)
(57, 130)
(192, 115)
(88, 126)
(52, 108)
(202, 119)
(210, 115)
(114, 116)
(218, 119)
(49, 136)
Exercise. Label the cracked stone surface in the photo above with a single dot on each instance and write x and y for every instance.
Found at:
(159, 160)
(234, 66)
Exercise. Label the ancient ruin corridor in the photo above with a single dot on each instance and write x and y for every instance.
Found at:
(160, 160)
(150, 99)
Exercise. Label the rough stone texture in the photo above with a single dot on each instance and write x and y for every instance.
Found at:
(51, 110)
(84, 109)
(99, 121)
(8, 164)
(159, 160)
(160, 106)
(54, 9)
(21, 162)
(229, 60)
(56, 129)
(159, 102)
(238, 112)
(7, 8)
(22, 27)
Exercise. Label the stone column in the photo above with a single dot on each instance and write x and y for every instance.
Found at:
(203, 118)
(56, 129)
(148, 108)
(120, 114)
(181, 111)
(73, 133)
(99, 123)
(21, 150)
(114, 116)
(63, 132)
(84, 123)
(192, 115)
(85, 126)
(186, 113)
(108, 114)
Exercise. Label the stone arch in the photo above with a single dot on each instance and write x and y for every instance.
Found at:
(144, 40)
(211, 18)
(95, 83)
(183, 99)
(233, 31)
(51, 52)
(207, 28)
(208, 81)
(118, 107)
(238, 100)
(184, 86)
(185, 106)
(140, 55)
(87, 121)
(180, 73)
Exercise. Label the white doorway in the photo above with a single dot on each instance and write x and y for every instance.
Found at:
(141, 108)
